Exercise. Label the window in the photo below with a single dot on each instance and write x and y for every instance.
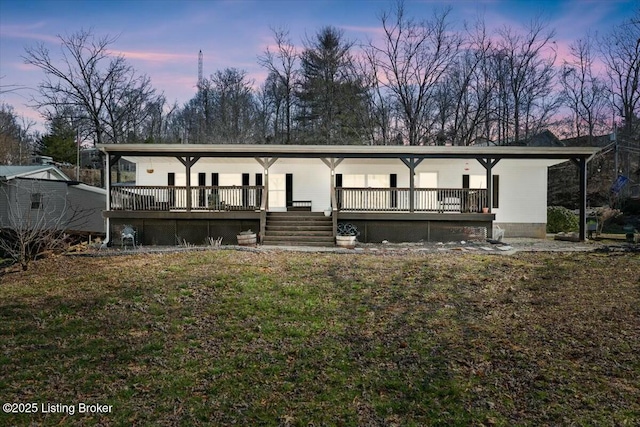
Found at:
(351, 180)
(480, 181)
(428, 180)
(36, 200)
(477, 181)
(371, 180)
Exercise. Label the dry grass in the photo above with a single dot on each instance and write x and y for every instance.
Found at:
(223, 337)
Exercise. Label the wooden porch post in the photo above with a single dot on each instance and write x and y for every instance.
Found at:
(107, 169)
(188, 161)
(488, 165)
(264, 205)
(110, 160)
(333, 163)
(582, 168)
(411, 163)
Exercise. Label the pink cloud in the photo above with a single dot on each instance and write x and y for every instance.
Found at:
(25, 67)
(27, 32)
(154, 56)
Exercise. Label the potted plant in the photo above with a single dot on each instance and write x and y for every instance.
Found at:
(327, 212)
(247, 238)
(346, 236)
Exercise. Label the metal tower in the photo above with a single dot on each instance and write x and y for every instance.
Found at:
(200, 70)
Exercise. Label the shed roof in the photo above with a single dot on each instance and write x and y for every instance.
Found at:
(11, 172)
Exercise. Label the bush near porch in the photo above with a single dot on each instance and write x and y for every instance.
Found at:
(561, 219)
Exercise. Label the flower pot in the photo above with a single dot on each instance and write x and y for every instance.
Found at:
(327, 212)
(485, 210)
(247, 239)
(348, 242)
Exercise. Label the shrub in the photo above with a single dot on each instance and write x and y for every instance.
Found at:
(561, 219)
(606, 214)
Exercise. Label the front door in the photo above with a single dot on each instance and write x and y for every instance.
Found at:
(277, 192)
(245, 191)
(201, 191)
(289, 190)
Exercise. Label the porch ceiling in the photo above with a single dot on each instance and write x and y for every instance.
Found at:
(347, 151)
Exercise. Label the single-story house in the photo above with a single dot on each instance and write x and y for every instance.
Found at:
(290, 193)
(41, 196)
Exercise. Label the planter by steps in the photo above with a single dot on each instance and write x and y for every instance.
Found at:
(348, 242)
(247, 238)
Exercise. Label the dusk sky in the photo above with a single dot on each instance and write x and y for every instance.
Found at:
(162, 38)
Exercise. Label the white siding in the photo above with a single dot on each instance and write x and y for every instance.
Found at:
(522, 192)
(311, 180)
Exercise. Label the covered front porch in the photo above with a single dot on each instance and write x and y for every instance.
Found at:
(378, 213)
(323, 181)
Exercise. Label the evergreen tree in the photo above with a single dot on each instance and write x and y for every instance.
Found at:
(331, 96)
(60, 142)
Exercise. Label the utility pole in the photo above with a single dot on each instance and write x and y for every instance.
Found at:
(77, 155)
(615, 149)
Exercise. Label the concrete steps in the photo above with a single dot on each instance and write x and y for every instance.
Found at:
(298, 228)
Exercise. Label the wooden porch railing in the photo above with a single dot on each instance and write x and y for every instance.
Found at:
(165, 198)
(425, 199)
(250, 197)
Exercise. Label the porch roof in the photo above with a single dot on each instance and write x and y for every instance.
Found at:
(347, 151)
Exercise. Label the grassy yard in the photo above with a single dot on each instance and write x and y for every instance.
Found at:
(226, 337)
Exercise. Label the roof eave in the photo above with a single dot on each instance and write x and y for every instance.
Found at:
(345, 151)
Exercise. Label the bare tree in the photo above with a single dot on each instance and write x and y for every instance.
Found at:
(266, 113)
(620, 50)
(466, 94)
(582, 91)
(234, 107)
(527, 71)
(380, 103)
(103, 88)
(156, 123)
(224, 110)
(411, 61)
(17, 140)
(9, 88)
(195, 118)
(281, 64)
